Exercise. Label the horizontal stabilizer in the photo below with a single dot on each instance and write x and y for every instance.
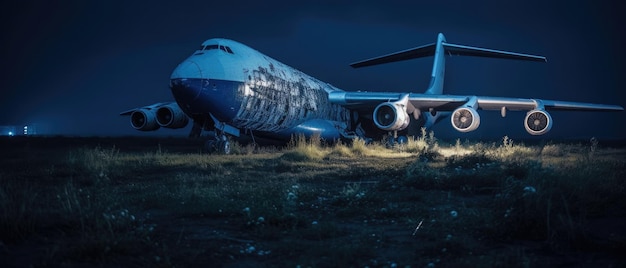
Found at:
(413, 53)
(451, 49)
(462, 50)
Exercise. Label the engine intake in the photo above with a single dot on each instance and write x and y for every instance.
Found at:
(391, 116)
(538, 122)
(144, 120)
(171, 116)
(465, 119)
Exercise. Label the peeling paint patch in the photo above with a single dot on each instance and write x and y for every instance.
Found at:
(279, 97)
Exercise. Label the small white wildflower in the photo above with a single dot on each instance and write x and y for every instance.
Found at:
(314, 223)
(508, 212)
(295, 186)
(250, 249)
(266, 252)
(260, 220)
(529, 190)
(454, 213)
(449, 237)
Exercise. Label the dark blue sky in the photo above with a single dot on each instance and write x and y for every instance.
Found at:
(73, 66)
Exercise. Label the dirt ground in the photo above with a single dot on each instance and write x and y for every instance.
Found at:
(158, 202)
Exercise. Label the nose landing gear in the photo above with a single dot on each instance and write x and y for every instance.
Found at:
(218, 133)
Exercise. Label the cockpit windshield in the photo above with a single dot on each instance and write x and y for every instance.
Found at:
(220, 47)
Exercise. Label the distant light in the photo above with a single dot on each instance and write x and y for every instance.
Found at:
(10, 133)
(25, 130)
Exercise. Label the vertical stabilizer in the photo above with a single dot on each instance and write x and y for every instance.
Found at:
(439, 66)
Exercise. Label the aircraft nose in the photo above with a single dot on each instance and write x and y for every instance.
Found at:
(187, 69)
(186, 81)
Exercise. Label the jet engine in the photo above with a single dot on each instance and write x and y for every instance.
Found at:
(391, 116)
(144, 120)
(171, 116)
(538, 122)
(465, 119)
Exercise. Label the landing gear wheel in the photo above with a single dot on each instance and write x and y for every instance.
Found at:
(223, 146)
(209, 146)
(402, 140)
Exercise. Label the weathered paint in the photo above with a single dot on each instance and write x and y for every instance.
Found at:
(282, 99)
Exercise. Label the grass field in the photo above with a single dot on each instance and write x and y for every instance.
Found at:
(159, 202)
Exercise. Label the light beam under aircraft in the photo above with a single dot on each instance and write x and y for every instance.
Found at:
(230, 90)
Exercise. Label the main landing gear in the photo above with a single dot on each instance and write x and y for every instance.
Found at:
(394, 139)
(217, 143)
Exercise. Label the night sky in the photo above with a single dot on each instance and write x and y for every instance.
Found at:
(73, 66)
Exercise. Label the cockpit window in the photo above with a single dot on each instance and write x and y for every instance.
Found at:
(223, 48)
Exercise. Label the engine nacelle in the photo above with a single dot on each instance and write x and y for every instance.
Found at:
(144, 120)
(171, 116)
(465, 119)
(537, 122)
(391, 116)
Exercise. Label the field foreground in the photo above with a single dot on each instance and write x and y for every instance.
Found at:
(124, 202)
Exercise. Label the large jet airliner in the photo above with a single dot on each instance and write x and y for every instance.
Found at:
(231, 90)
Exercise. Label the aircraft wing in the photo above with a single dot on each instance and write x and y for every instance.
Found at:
(362, 100)
(149, 107)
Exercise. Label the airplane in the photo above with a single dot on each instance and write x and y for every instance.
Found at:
(232, 91)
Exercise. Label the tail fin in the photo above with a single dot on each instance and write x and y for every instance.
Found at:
(438, 50)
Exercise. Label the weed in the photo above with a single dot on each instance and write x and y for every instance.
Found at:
(20, 213)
